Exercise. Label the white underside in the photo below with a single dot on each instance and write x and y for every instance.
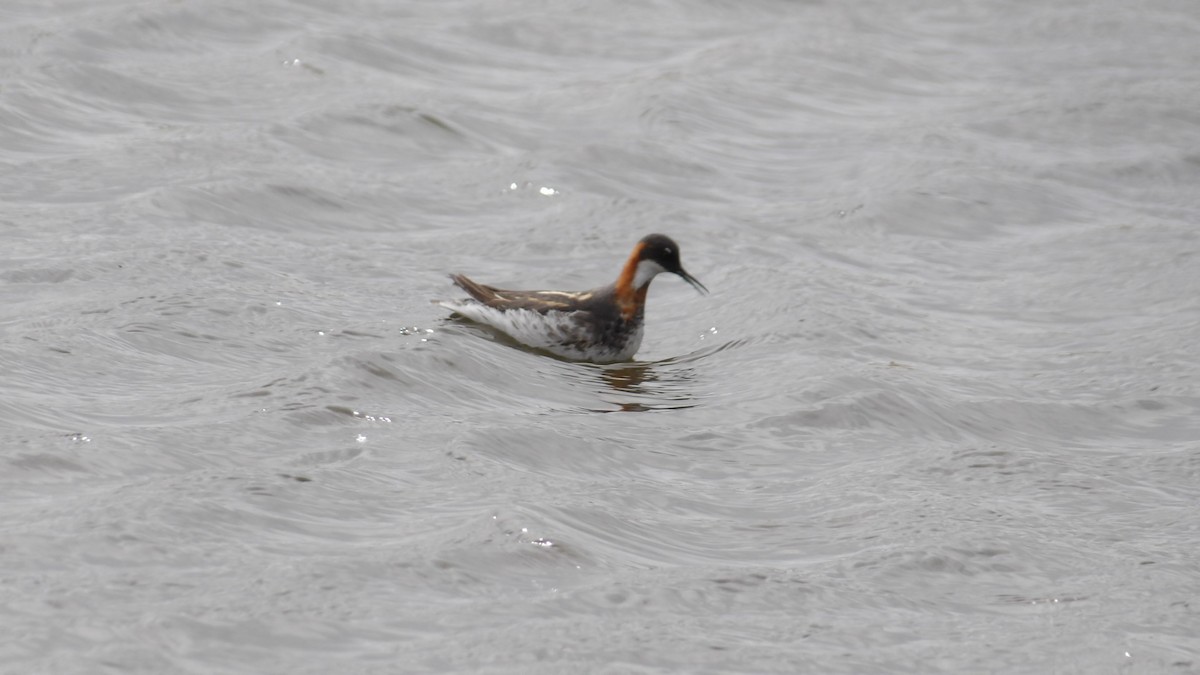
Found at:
(555, 332)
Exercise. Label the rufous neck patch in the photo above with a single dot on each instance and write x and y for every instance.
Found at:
(630, 299)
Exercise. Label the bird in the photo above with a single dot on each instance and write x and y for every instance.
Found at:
(603, 325)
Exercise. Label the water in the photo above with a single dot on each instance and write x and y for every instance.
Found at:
(939, 414)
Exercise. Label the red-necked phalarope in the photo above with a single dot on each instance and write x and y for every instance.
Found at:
(603, 325)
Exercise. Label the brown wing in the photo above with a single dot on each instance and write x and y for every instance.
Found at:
(538, 301)
(484, 294)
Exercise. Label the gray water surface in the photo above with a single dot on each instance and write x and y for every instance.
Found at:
(940, 413)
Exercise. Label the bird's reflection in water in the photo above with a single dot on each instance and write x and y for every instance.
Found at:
(644, 387)
(628, 377)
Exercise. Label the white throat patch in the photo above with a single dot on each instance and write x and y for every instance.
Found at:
(646, 270)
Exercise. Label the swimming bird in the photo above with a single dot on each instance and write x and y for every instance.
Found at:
(603, 325)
